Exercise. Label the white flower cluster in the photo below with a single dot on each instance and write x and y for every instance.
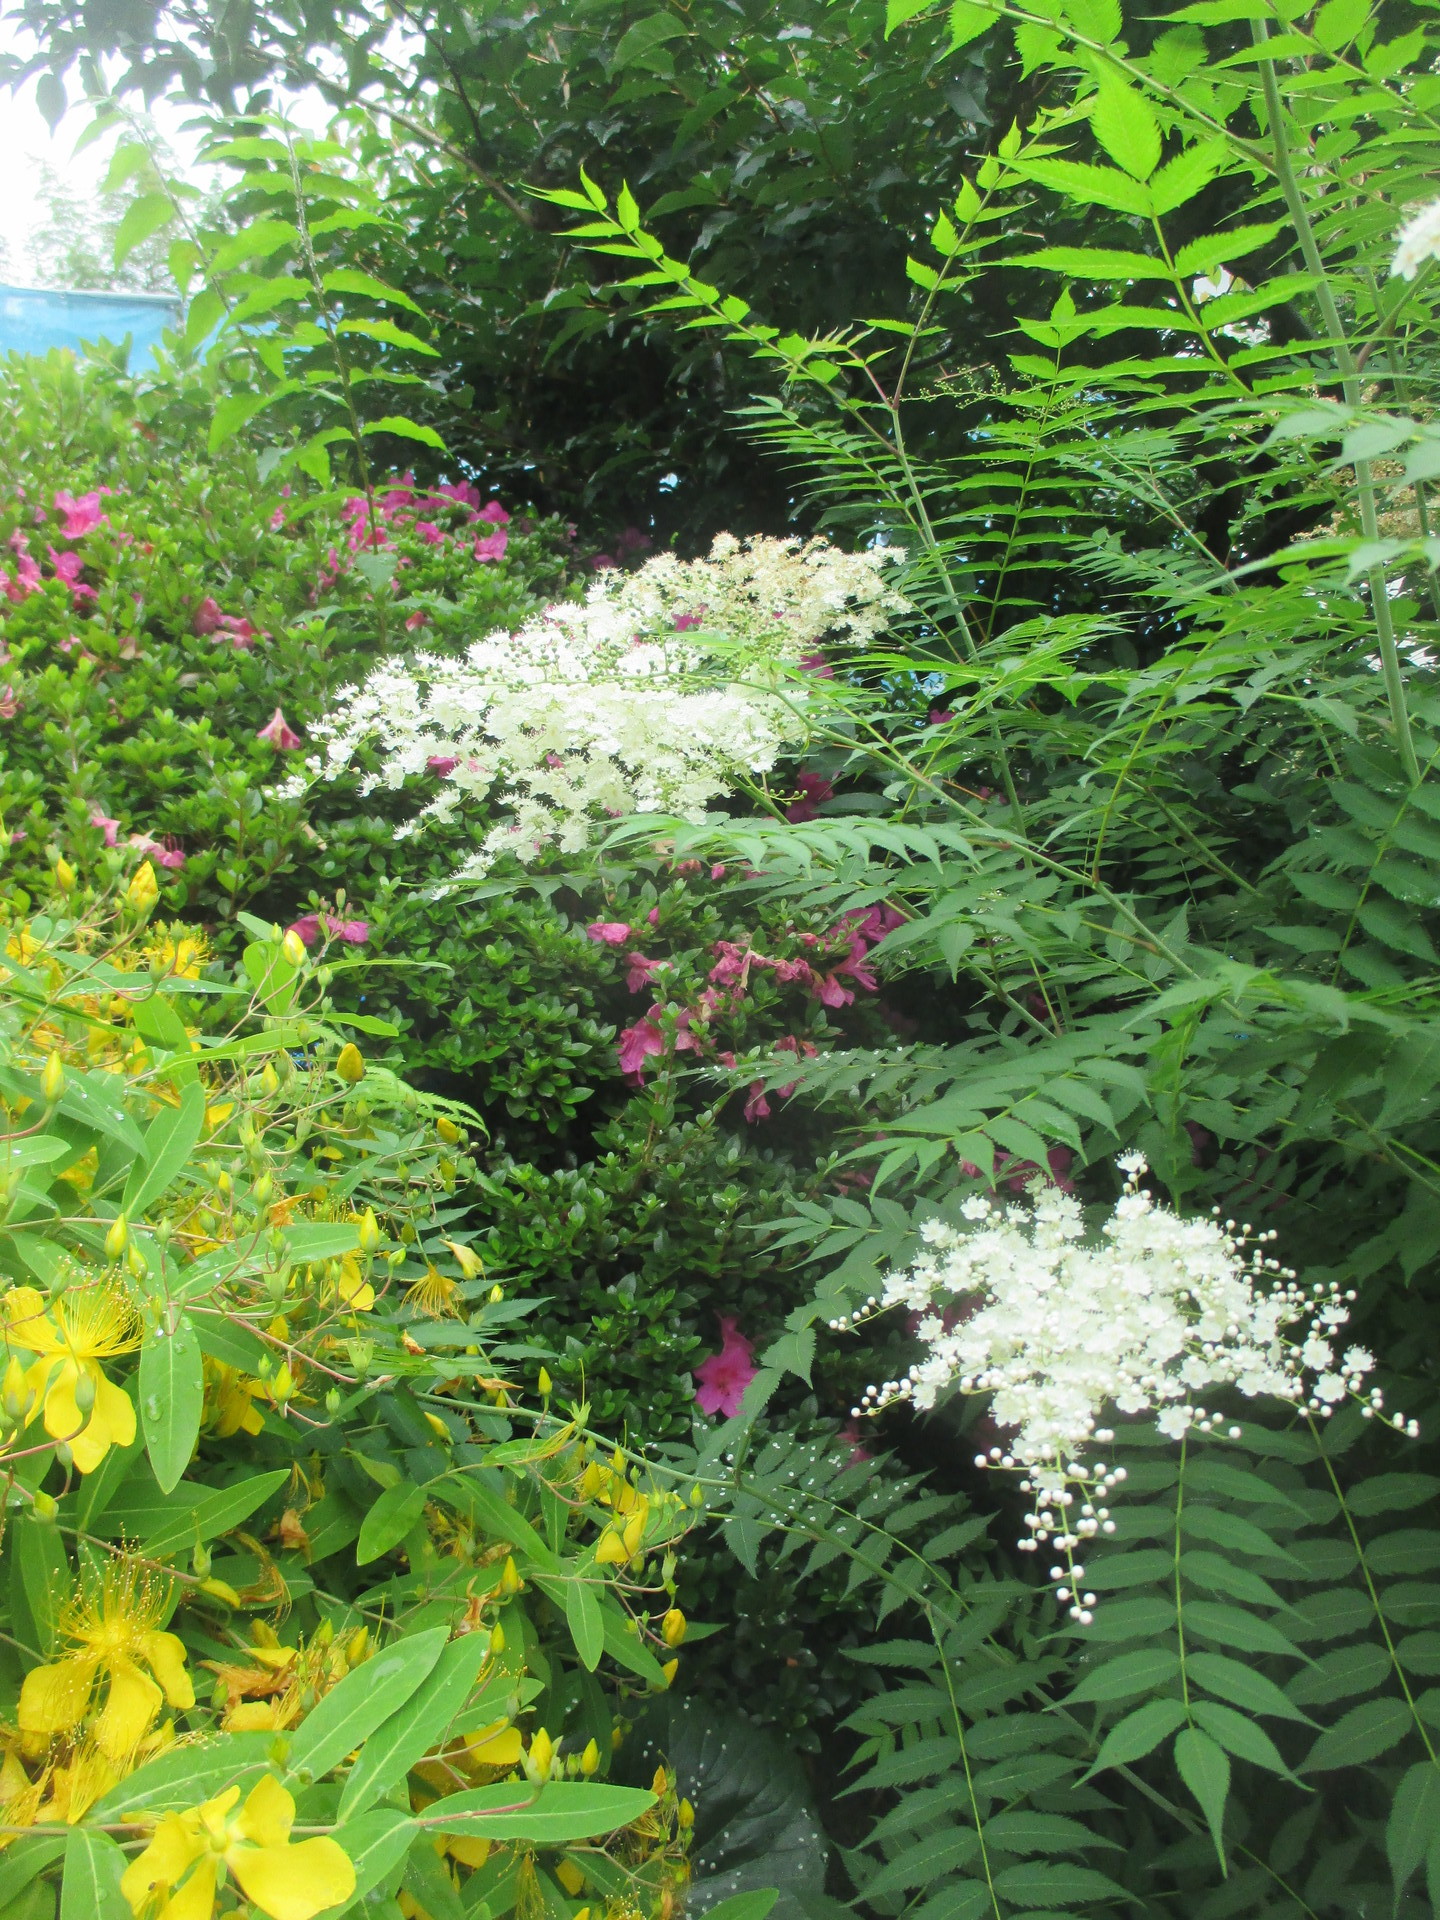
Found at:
(1159, 1311)
(1418, 241)
(654, 694)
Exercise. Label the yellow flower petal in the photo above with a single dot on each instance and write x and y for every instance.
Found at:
(52, 1699)
(495, 1746)
(175, 1847)
(130, 1710)
(114, 1406)
(164, 1653)
(293, 1883)
(268, 1814)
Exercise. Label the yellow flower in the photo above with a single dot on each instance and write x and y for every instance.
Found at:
(470, 1263)
(182, 954)
(80, 1174)
(113, 1633)
(177, 1875)
(353, 1289)
(433, 1294)
(673, 1627)
(81, 1329)
(229, 1401)
(144, 889)
(497, 1745)
(350, 1064)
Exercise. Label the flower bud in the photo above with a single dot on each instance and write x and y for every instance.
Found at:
(282, 1384)
(547, 1385)
(85, 1393)
(293, 948)
(357, 1646)
(497, 1638)
(144, 889)
(332, 1402)
(117, 1239)
(469, 1262)
(52, 1080)
(670, 1669)
(135, 1260)
(447, 1130)
(269, 1080)
(200, 1561)
(589, 1761)
(220, 1590)
(15, 1395)
(497, 1294)
(541, 1755)
(369, 1231)
(509, 1576)
(263, 1188)
(672, 1627)
(44, 1505)
(660, 1784)
(351, 1064)
(685, 1816)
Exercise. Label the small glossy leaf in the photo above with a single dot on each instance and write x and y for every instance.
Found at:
(172, 1399)
(393, 1515)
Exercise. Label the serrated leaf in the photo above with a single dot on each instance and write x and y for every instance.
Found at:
(1414, 1821)
(1241, 1686)
(142, 218)
(1205, 1768)
(1139, 1733)
(1239, 1735)
(1360, 1735)
(1125, 126)
(1138, 1672)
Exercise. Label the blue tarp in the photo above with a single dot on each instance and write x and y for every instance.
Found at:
(34, 319)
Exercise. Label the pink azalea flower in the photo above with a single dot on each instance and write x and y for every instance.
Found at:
(9, 702)
(871, 924)
(612, 933)
(429, 533)
(460, 490)
(353, 932)
(82, 516)
(636, 1044)
(829, 992)
(306, 928)
(99, 818)
(277, 519)
(638, 971)
(493, 545)
(940, 715)
(632, 540)
(25, 581)
(278, 731)
(814, 788)
(722, 1379)
(494, 513)
(757, 1107)
(717, 872)
(858, 1453)
(653, 916)
(416, 620)
(441, 764)
(67, 568)
(163, 853)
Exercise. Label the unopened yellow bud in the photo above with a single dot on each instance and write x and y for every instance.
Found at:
(672, 1627)
(660, 1785)
(220, 1590)
(369, 1231)
(351, 1064)
(685, 1816)
(269, 1080)
(497, 1638)
(118, 1238)
(611, 1550)
(697, 1498)
(509, 1576)
(541, 1755)
(15, 1394)
(64, 874)
(282, 1383)
(293, 948)
(497, 1294)
(447, 1130)
(468, 1261)
(44, 1505)
(436, 1425)
(136, 1261)
(589, 1760)
(670, 1669)
(357, 1646)
(144, 889)
(52, 1080)
(547, 1385)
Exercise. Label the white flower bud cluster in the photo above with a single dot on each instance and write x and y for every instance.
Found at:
(1020, 1303)
(656, 693)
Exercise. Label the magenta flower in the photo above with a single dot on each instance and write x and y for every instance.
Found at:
(99, 818)
(353, 932)
(638, 971)
(417, 620)
(306, 928)
(9, 702)
(278, 731)
(25, 582)
(612, 933)
(277, 519)
(817, 664)
(685, 621)
(493, 545)
(722, 1379)
(460, 490)
(67, 568)
(757, 1107)
(814, 789)
(441, 764)
(82, 516)
(429, 533)
(494, 513)
(940, 716)
(636, 1044)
